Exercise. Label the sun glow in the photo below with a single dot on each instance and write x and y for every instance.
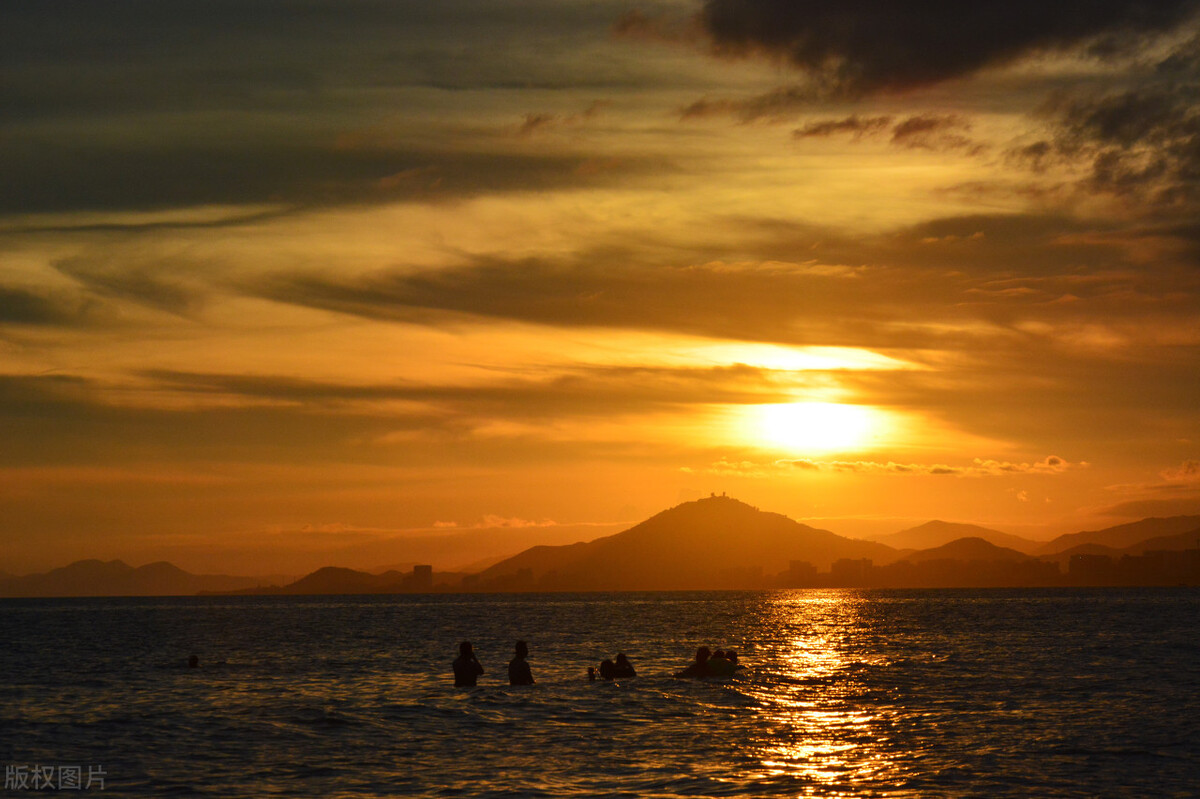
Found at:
(815, 426)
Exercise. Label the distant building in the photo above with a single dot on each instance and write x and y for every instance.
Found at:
(421, 578)
(800, 574)
(851, 571)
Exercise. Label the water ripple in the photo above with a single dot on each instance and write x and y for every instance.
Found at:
(898, 694)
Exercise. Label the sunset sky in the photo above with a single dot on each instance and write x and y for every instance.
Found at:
(286, 281)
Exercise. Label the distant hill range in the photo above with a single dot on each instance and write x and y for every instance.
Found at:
(116, 578)
(1165, 543)
(967, 549)
(714, 543)
(338, 580)
(936, 533)
(1127, 535)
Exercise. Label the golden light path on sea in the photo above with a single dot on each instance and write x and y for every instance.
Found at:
(814, 727)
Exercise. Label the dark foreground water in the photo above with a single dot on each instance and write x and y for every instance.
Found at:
(848, 693)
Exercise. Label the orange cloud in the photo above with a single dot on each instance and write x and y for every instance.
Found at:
(978, 468)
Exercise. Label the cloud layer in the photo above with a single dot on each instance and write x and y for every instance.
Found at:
(865, 46)
(305, 265)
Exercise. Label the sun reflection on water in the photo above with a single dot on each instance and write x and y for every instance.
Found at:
(815, 728)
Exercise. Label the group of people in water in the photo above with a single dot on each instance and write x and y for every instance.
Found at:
(613, 670)
(722, 663)
(467, 668)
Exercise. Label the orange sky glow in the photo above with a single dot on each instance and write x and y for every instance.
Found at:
(366, 274)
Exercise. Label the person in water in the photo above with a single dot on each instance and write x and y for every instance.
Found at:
(719, 665)
(623, 668)
(518, 667)
(699, 667)
(608, 670)
(466, 667)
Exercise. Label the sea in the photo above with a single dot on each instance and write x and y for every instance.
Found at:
(845, 693)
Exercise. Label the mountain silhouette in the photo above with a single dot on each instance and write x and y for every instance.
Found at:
(117, 578)
(937, 532)
(1124, 535)
(967, 549)
(340, 580)
(716, 542)
(1169, 543)
(713, 543)
(337, 580)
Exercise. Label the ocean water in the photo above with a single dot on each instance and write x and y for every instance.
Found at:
(846, 693)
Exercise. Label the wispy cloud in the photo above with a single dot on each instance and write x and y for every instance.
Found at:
(979, 467)
(1177, 491)
(541, 122)
(855, 125)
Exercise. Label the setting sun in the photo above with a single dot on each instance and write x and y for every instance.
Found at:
(567, 268)
(814, 426)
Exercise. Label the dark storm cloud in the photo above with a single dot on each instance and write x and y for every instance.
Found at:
(863, 46)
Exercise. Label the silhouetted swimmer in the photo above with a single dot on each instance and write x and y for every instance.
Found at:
(193, 661)
(719, 665)
(699, 667)
(466, 667)
(518, 668)
(608, 670)
(591, 673)
(623, 667)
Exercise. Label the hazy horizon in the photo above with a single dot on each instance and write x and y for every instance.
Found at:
(426, 546)
(289, 280)
(402, 553)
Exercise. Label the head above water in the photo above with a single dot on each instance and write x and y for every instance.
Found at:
(702, 654)
(522, 649)
(466, 650)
